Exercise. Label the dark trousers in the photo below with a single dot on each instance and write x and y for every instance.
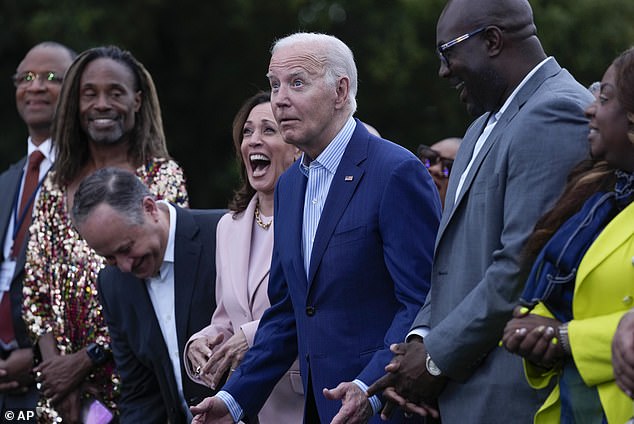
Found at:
(311, 416)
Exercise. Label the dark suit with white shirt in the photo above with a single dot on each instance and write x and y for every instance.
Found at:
(149, 393)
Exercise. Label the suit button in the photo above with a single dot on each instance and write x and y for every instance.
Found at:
(627, 300)
(310, 311)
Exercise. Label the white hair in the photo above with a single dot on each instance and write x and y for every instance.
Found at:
(339, 60)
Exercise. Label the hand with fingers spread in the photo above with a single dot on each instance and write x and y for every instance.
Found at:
(355, 406)
(534, 337)
(623, 354)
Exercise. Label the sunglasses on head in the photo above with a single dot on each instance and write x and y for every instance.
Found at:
(431, 157)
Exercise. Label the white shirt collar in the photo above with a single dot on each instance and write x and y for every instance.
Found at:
(46, 148)
(168, 256)
(332, 154)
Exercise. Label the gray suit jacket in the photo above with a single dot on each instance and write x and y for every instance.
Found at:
(9, 184)
(518, 174)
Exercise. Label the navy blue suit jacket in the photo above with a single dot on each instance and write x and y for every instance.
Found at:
(148, 392)
(369, 274)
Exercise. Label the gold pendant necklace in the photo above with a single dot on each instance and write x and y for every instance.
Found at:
(258, 220)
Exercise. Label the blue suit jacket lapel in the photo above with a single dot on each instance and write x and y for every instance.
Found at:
(342, 188)
(291, 218)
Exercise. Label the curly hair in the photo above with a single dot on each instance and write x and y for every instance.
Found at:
(70, 141)
(245, 192)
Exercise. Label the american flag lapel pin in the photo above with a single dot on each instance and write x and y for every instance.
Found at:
(348, 178)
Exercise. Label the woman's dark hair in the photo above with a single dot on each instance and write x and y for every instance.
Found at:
(245, 192)
(587, 178)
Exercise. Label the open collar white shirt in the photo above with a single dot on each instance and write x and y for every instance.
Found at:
(161, 289)
(491, 122)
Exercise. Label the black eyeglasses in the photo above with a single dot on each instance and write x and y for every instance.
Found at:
(431, 157)
(440, 50)
(25, 79)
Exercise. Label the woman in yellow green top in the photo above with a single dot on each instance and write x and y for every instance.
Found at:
(582, 279)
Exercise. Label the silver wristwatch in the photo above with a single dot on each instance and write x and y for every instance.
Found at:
(432, 368)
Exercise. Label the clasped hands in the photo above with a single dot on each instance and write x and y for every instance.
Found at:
(407, 383)
(534, 337)
(15, 371)
(211, 362)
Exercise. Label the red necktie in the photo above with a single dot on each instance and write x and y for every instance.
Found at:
(30, 185)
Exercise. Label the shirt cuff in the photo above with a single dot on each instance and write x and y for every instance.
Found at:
(421, 332)
(234, 408)
(375, 402)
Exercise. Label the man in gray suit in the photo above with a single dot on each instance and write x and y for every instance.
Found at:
(510, 168)
(38, 81)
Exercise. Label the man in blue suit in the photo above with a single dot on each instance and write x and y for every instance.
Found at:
(352, 256)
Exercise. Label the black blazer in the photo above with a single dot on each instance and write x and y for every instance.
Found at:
(148, 387)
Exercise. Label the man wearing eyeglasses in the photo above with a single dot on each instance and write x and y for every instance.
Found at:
(504, 178)
(38, 81)
(438, 159)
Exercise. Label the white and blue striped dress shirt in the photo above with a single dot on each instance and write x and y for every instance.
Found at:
(320, 173)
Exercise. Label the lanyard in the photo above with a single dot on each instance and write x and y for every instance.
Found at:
(17, 222)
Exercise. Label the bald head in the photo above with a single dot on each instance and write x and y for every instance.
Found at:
(36, 99)
(512, 15)
(490, 46)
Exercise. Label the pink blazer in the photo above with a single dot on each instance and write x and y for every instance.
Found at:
(240, 310)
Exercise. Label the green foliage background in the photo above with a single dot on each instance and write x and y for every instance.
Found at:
(207, 57)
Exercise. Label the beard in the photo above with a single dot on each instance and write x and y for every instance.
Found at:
(109, 137)
(486, 92)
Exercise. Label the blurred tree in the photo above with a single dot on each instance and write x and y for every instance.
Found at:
(207, 57)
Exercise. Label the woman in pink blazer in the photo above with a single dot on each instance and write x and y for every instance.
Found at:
(244, 241)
